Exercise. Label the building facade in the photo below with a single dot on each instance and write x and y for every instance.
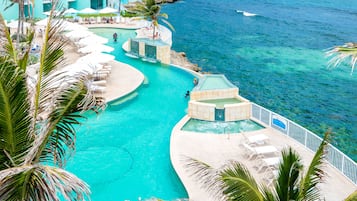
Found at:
(42, 6)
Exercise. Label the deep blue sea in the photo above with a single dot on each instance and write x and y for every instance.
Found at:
(277, 57)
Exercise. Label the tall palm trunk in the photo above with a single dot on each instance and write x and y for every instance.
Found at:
(20, 26)
(153, 32)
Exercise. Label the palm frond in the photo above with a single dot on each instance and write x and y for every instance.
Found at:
(57, 135)
(6, 41)
(287, 184)
(168, 24)
(207, 176)
(39, 182)
(14, 115)
(315, 173)
(50, 57)
(339, 54)
(239, 184)
(352, 197)
(25, 52)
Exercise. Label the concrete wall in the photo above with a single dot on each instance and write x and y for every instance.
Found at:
(206, 111)
(214, 94)
(203, 111)
(239, 111)
(163, 54)
(10, 13)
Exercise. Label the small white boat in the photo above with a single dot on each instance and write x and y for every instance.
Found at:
(249, 14)
(245, 13)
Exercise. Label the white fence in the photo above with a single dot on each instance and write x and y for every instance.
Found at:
(310, 140)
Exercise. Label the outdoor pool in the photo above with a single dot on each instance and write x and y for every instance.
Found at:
(123, 153)
(221, 127)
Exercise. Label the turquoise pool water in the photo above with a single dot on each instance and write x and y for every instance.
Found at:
(220, 127)
(213, 82)
(123, 153)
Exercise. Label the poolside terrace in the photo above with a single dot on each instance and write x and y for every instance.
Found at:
(216, 150)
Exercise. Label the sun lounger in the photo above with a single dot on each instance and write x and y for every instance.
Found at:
(257, 139)
(270, 176)
(97, 89)
(268, 163)
(252, 152)
(100, 83)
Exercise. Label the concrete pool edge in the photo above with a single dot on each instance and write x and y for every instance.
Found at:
(124, 79)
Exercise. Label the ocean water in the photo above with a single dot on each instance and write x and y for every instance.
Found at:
(277, 57)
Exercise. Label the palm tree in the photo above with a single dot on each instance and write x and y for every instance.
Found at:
(339, 54)
(21, 18)
(234, 182)
(150, 10)
(38, 112)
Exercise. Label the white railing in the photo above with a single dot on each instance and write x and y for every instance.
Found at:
(310, 140)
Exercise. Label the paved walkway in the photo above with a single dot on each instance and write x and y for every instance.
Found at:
(218, 149)
(123, 80)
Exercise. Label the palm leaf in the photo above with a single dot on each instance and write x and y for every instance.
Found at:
(57, 134)
(289, 175)
(352, 197)
(39, 182)
(341, 53)
(207, 176)
(14, 115)
(5, 38)
(314, 173)
(50, 57)
(239, 184)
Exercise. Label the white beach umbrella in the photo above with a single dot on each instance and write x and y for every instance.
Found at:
(71, 11)
(96, 58)
(70, 26)
(56, 12)
(108, 10)
(95, 48)
(42, 22)
(92, 39)
(14, 24)
(78, 34)
(88, 11)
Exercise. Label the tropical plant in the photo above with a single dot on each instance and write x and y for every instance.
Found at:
(21, 13)
(293, 182)
(149, 10)
(39, 107)
(339, 54)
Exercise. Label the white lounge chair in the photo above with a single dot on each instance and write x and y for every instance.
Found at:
(253, 152)
(260, 139)
(268, 163)
(270, 176)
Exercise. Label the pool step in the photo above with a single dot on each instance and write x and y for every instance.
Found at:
(146, 81)
(125, 99)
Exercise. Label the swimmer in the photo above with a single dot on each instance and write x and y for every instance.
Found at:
(187, 94)
(195, 81)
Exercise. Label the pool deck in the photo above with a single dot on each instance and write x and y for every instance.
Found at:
(123, 80)
(217, 149)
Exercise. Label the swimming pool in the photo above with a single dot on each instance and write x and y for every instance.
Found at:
(213, 82)
(221, 102)
(123, 153)
(221, 127)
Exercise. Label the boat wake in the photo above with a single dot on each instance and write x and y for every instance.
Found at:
(245, 13)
